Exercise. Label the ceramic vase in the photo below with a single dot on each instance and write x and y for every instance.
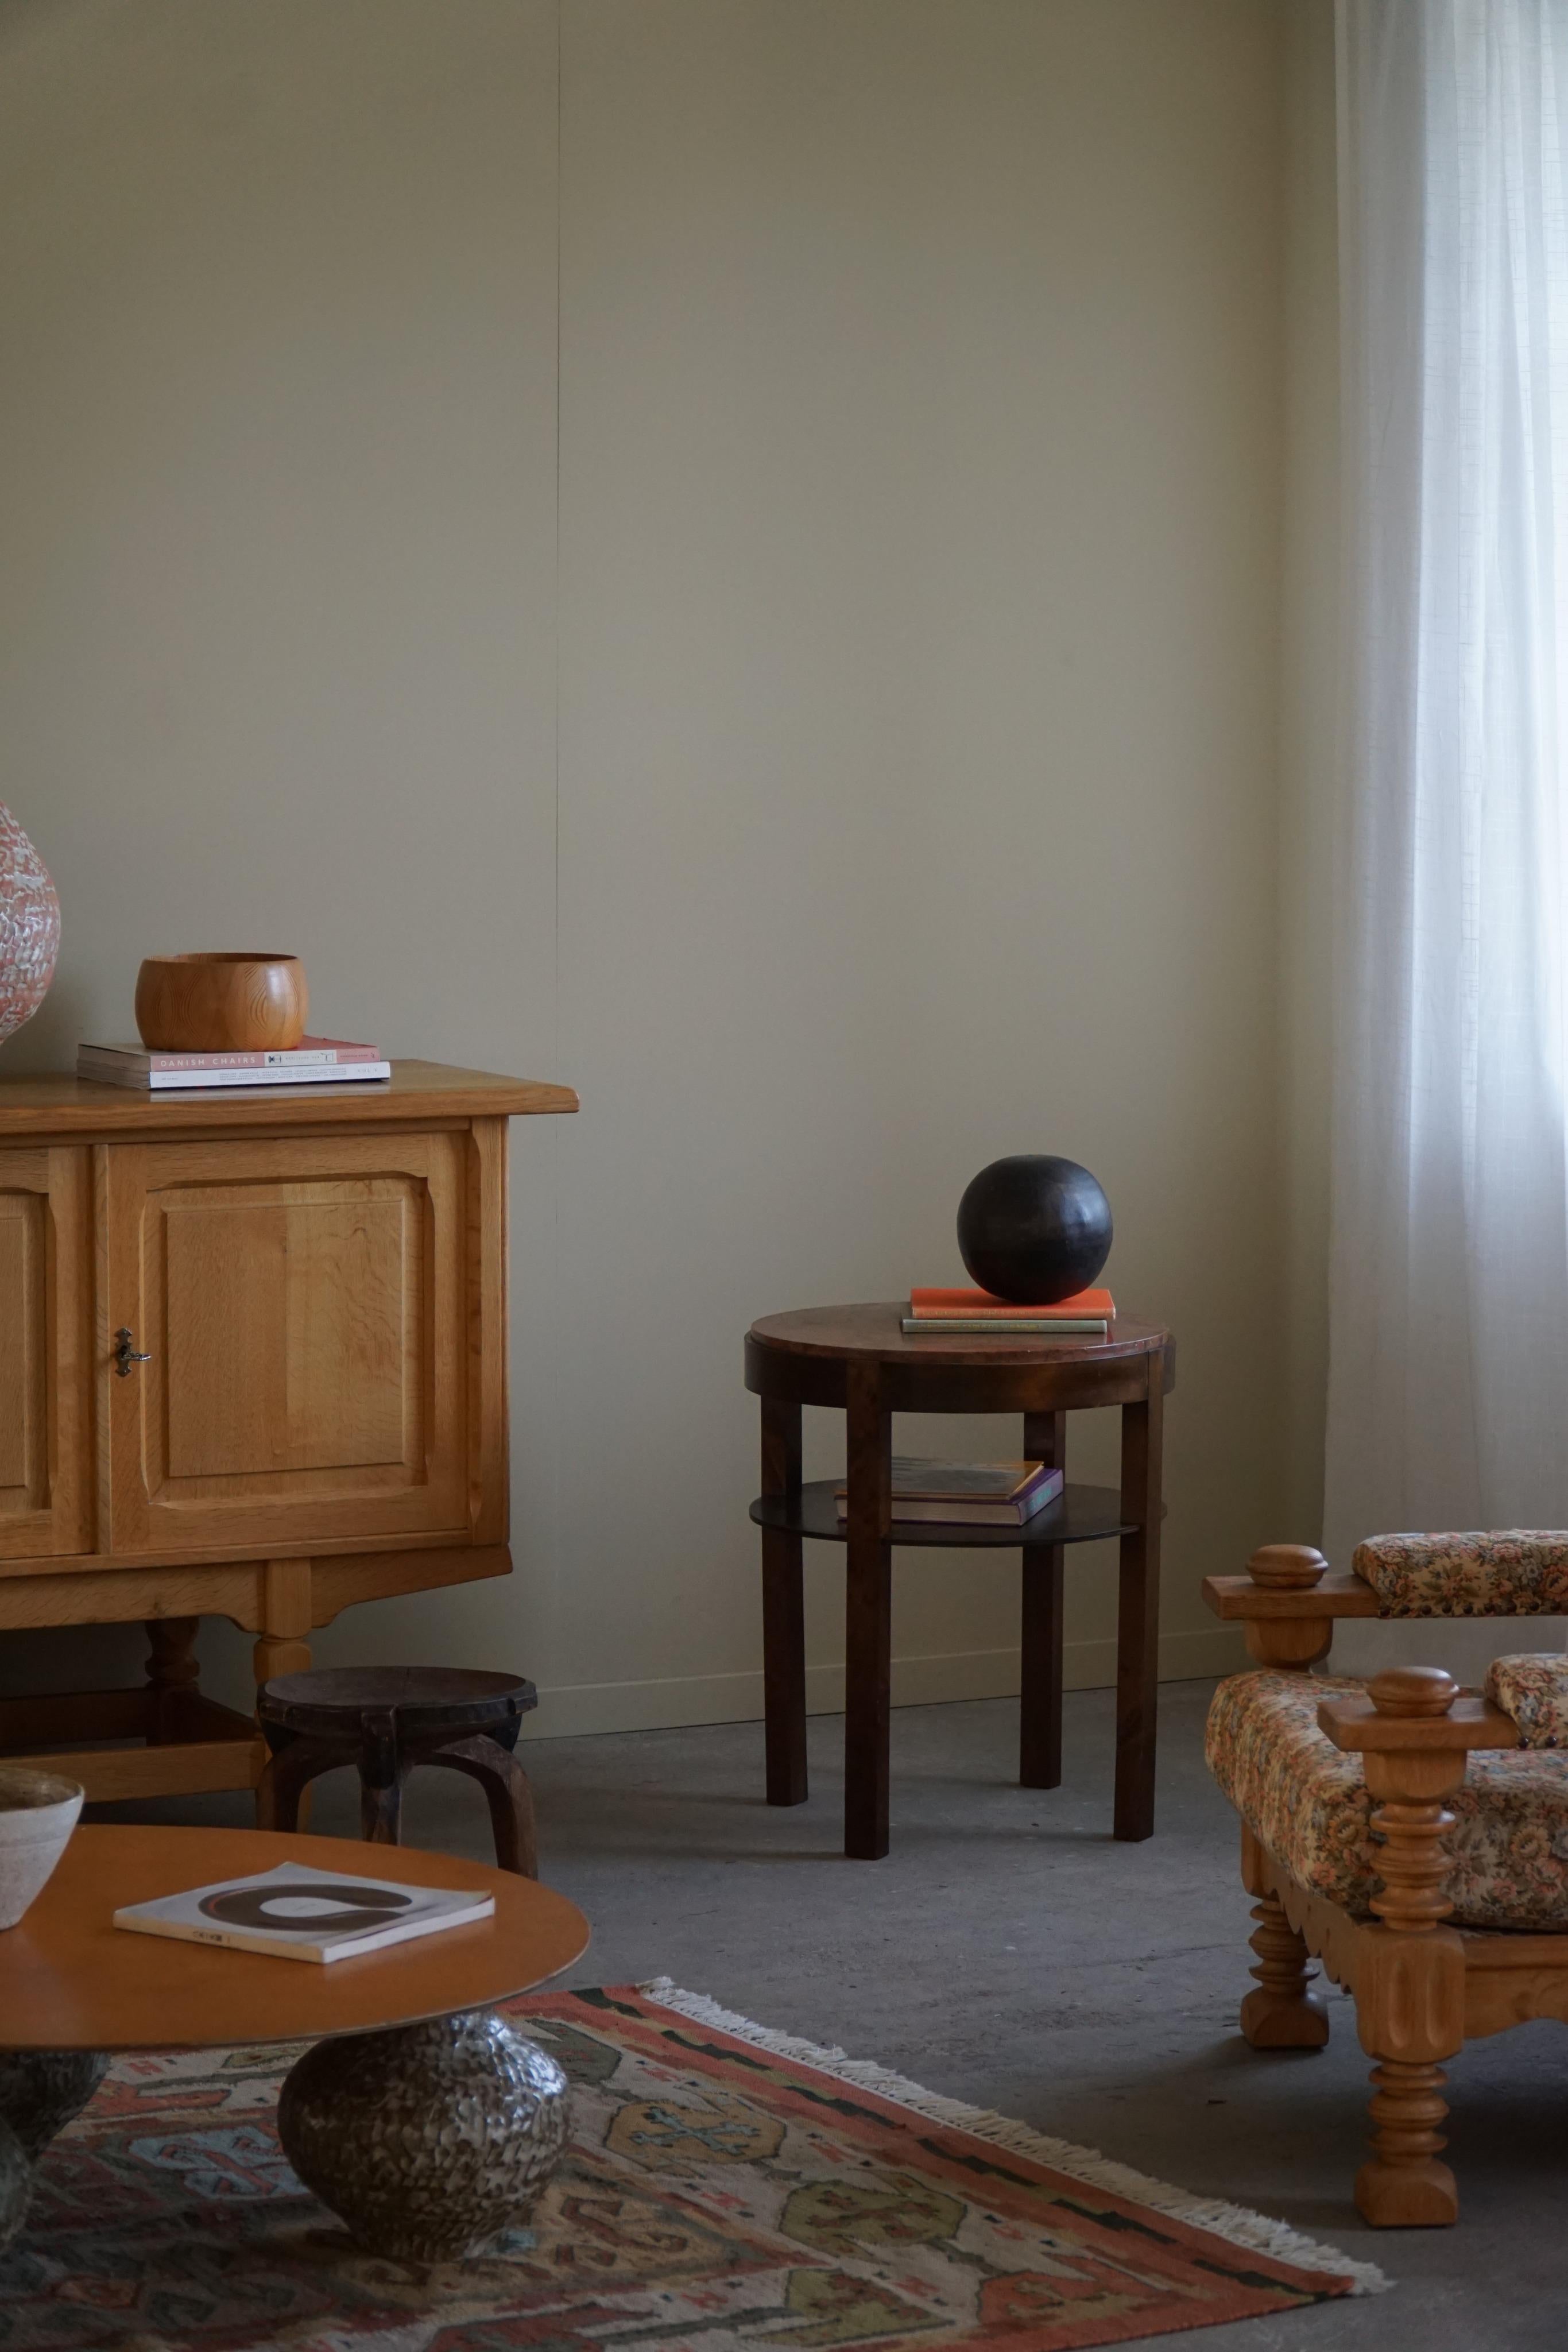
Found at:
(29, 926)
(37, 1813)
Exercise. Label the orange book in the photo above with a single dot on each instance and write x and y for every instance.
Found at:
(982, 1306)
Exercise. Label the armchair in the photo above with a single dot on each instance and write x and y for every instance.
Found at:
(1411, 1836)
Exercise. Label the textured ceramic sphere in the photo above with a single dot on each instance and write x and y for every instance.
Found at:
(29, 926)
(15, 2185)
(1034, 1228)
(428, 2140)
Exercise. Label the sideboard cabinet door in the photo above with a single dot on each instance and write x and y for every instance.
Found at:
(45, 1352)
(302, 1305)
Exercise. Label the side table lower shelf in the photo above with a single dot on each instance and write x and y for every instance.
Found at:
(1078, 1515)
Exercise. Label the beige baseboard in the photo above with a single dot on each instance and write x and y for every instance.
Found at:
(571, 1710)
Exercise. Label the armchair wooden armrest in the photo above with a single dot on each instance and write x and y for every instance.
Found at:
(1288, 1600)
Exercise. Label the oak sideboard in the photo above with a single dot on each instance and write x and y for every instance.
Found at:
(252, 1365)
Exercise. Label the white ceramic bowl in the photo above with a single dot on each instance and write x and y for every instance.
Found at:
(37, 1813)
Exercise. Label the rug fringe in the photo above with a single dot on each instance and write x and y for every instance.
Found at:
(1235, 2223)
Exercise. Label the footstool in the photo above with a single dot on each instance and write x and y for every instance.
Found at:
(386, 1719)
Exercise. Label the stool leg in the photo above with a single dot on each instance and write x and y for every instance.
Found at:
(381, 1775)
(285, 1777)
(507, 1792)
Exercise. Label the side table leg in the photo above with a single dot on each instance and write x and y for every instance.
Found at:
(783, 1612)
(427, 2140)
(868, 1647)
(1138, 1611)
(1040, 1688)
(40, 2091)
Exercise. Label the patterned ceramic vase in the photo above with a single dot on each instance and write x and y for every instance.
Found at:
(29, 926)
(428, 2140)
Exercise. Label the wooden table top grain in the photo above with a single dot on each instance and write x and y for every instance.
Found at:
(54, 1102)
(70, 1979)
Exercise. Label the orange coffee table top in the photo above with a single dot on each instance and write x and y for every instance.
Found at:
(70, 1980)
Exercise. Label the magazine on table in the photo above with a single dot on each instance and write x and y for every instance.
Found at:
(298, 1913)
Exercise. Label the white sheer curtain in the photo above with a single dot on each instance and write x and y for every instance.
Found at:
(1448, 1374)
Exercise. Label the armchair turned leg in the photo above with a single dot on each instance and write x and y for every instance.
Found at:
(1402, 2185)
(1279, 2013)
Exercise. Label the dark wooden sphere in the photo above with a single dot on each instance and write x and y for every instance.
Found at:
(1034, 1228)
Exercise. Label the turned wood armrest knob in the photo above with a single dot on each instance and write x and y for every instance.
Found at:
(1413, 1691)
(1287, 1568)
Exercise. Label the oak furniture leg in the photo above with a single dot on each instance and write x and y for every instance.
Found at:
(172, 1672)
(285, 1621)
(507, 1792)
(1410, 1996)
(783, 1612)
(868, 1648)
(1410, 1968)
(1279, 2013)
(1040, 1700)
(1138, 1611)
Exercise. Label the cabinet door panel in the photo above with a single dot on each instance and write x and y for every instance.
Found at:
(302, 1305)
(45, 1342)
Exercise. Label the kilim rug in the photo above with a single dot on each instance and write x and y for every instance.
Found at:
(726, 2188)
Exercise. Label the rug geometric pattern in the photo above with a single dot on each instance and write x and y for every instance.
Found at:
(717, 2197)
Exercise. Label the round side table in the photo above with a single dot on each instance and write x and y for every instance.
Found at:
(858, 1359)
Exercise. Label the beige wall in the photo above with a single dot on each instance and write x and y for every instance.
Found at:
(1311, 777)
(847, 750)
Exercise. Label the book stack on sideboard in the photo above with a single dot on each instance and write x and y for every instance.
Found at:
(313, 1060)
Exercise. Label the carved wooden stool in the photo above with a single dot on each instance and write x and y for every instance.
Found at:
(386, 1719)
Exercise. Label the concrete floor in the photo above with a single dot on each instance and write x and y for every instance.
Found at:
(1008, 1953)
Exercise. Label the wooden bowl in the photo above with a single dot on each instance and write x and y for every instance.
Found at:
(222, 1004)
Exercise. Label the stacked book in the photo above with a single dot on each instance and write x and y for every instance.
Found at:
(974, 1314)
(312, 1061)
(967, 1494)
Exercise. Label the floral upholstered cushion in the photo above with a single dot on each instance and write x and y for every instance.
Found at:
(1516, 1574)
(1534, 1691)
(1306, 1802)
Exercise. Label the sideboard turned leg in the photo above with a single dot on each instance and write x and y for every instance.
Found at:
(283, 1648)
(172, 1674)
(1138, 1611)
(783, 1612)
(868, 1610)
(1040, 1684)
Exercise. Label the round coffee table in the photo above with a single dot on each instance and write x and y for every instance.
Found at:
(858, 1359)
(419, 2117)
